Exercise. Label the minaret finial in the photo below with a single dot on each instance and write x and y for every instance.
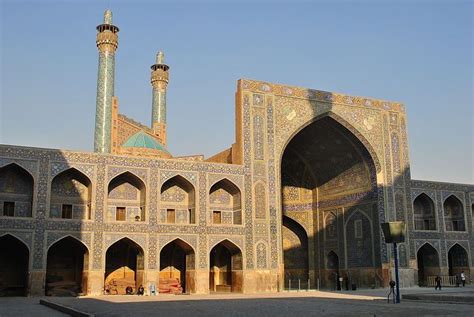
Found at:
(160, 58)
(108, 17)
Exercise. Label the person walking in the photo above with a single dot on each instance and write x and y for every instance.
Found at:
(437, 282)
(463, 279)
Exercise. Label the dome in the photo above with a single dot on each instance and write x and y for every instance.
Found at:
(143, 140)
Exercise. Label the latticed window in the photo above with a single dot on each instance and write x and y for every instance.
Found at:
(9, 208)
(66, 212)
(216, 217)
(120, 213)
(424, 213)
(170, 215)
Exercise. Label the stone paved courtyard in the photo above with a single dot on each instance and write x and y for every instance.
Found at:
(360, 303)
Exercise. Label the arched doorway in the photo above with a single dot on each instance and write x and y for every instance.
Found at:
(14, 255)
(225, 273)
(458, 261)
(295, 253)
(177, 268)
(16, 191)
(67, 268)
(428, 263)
(326, 169)
(126, 199)
(71, 193)
(124, 266)
(332, 275)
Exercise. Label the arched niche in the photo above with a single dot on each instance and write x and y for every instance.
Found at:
(454, 214)
(71, 195)
(225, 272)
(458, 261)
(14, 263)
(428, 263)
(178, 200)
(126, 198)
(177, 268)
(67, 268)
(424, 213)
(16, 191)
(295, 253)
(225, 203)
(124, 267)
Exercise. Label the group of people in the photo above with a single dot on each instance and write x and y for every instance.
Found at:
(140, 290)
(460, 279)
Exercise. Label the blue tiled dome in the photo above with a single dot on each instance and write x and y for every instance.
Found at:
(143, 140)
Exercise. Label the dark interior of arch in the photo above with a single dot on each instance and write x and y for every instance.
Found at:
(424, 213)
(66, 270)
(458, 260)
(177, 268)
(124, 267)
(225, 272)
(13, 266)
(326, 169)
(428, 263)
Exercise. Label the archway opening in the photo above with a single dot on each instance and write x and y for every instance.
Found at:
(16, 191)
(177, 268)
(126, 199)
(424, 213)
(14, 256)
(295, 253)
(67, 268)
(327, 173)
(454, 214)
(225, 273)
(428, 263)
(332, 265)
(71, 193)
(458, 261)
(124, 267)
(225, 203)
(178, 201)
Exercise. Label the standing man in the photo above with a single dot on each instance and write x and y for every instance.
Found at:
(437, 282)
(463, 279)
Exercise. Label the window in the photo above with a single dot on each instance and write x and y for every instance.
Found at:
(191, 216)
(170, 216)
(120, 214)
(9, 208)
(216, 216)
(358, 229)
(66, 212)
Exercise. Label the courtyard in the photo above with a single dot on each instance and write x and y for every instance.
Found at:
(358, 303)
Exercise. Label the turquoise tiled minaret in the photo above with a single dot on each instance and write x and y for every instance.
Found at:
(107, 43)
(159, 81)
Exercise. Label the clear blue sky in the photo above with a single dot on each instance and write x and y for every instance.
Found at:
(419, 53)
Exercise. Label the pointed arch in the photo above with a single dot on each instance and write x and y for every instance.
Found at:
(178, 197)
(124, 266)
(67, 236)
(177, 268)
(295, 251)
(225, 203)
(458, 260)
(226, 267)
(16, 191)
(14, 265)
(126, 198)
(71, 195)
(359, 236)
(454, 214)
(424, 212)
(67, 264)
(428, 263)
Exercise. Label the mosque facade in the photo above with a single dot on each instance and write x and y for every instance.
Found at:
(295, 202)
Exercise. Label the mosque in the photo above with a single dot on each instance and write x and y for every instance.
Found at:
(294, 203)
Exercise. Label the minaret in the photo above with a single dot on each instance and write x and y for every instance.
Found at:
(159, 81)
(107, 42)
